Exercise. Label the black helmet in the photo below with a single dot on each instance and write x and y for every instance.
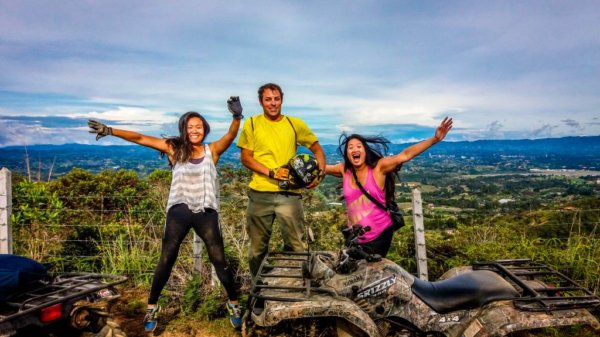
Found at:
(304, 169)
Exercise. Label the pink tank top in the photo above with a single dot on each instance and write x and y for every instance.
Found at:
(361, 210)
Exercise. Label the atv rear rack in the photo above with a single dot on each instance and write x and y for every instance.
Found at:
(282, 275)
(62, 288)
(542, 288)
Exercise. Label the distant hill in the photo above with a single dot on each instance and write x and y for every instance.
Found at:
(572, 152)
(569, 152)
(571, 146)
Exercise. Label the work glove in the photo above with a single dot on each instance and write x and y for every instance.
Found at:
(317, 180)
(99, 128)
(235, 107)
(280, 173)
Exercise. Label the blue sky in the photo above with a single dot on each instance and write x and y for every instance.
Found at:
(501, 69)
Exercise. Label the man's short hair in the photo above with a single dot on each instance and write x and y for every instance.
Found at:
(271, 86)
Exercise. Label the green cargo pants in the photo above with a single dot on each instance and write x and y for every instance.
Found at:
(263, 209)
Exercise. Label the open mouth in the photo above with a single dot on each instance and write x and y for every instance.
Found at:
(355, 157)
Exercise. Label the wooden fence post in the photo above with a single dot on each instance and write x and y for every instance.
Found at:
(197, 253)
(197, 257)
(5, 209)
(421, 252)
(199, 245)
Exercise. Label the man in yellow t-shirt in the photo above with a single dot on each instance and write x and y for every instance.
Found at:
(267, 142)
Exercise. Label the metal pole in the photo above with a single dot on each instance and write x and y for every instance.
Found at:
(5, 210)
(421, 252)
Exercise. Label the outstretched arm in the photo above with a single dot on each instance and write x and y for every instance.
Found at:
(388, 164)
(102, 130)
(335, 170)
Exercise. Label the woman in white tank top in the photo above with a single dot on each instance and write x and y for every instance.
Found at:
(193, 198)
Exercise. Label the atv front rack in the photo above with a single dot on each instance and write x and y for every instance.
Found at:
(541, 287)
(281, 277)
(62, 288)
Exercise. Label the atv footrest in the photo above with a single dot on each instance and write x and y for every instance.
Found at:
(281, 278)
(541, 287)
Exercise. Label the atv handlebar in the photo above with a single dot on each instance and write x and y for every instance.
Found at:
(353, 250)
(351, 235)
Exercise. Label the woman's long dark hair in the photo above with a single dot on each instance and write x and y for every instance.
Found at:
(182, 148)
(376, 147)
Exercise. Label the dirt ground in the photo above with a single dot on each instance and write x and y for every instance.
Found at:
(129, 311)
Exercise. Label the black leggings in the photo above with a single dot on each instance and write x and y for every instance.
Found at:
(381, 244)
(206, 224)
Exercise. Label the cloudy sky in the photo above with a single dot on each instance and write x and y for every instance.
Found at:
(501, 69)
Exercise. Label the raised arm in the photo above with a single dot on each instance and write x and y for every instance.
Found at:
(221, 145)
(102, 130)
(388, 164)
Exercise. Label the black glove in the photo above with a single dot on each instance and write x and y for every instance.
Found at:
(99, 128)
(235, 107)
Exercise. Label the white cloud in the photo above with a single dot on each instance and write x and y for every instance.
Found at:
(133, 115)
(143, 63)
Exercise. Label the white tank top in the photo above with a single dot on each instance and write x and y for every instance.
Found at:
(196, 185)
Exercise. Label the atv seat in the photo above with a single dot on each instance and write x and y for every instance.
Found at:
(465, 291)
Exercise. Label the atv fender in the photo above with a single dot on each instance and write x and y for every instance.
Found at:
(455, 272)
(501, 318)
(314, 307)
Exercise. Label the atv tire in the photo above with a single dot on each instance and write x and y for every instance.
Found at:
(315, 327)
(110, 329)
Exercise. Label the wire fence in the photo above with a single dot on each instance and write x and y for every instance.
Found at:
(88, 219)
(122, 232)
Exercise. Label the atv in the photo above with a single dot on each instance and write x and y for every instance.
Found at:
(351, 293)
(36, 303)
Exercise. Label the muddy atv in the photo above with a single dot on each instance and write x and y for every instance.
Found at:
(69, 304)
(350, 293)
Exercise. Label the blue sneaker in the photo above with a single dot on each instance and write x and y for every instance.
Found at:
(235, 315)
(150, 320)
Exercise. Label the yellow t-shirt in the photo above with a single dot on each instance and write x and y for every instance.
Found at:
(273, 145)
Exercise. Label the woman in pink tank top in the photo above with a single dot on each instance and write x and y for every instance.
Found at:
(375, 171)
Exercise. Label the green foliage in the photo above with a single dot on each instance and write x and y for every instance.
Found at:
(212, 304)
(133, 307)
(112, 222)
(135, 258)
(36, 218)
(191, 295)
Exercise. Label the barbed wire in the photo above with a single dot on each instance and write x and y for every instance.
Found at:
(92, 210)
(426, 219)
(96, 240)
(145, 240)
(100, 226)
(487, 211)
(79, 196)
(104, 241)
